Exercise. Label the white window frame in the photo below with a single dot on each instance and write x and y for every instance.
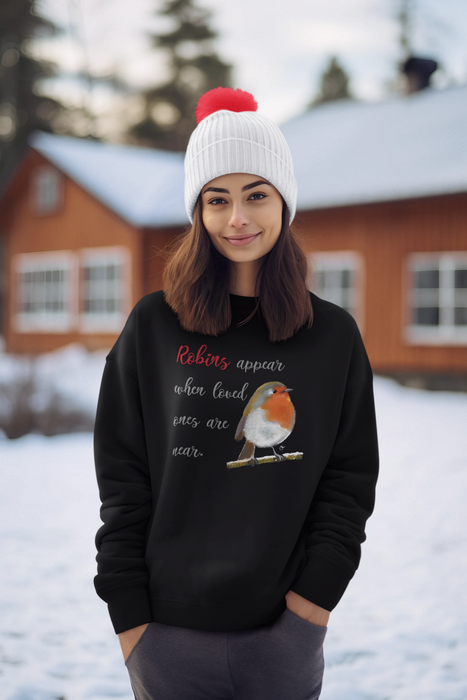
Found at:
(45, 321)
(90, 322)
(338, 260)
(46, 190)
(446, 333)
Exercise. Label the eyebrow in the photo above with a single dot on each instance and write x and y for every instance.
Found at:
(247, 187)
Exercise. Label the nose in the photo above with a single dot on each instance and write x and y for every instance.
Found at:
(238, 218)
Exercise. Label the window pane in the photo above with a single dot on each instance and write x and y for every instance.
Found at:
(426, 279)
(112, 272)
(460, 278)
(346, 279)
(460, 316)
(427, 316)
(460, 297)
(47, 190)
(43, 291)
(99, 272)
(318, 279)
(335, 281)
(101, 288)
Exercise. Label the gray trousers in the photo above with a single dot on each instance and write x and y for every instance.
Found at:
(282, 660)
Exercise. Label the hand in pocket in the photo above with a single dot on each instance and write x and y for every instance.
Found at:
(306, 609)
(130, 638)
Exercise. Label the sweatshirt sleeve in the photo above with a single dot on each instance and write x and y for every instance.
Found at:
(345, 496)
(125, 492)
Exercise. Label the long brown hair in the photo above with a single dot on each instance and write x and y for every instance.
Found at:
(196, 282)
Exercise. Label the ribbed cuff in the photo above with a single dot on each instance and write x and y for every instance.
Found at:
(129, 607)
(322, 582)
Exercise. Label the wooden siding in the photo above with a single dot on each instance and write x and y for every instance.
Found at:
(153, 262)
(82, 222)
(385, 234)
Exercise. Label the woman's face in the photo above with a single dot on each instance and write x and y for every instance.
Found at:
(242, 215)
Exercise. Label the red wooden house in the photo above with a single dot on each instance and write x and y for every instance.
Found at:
(382, 212)
(79, 222)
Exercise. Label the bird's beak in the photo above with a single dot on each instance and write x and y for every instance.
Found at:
(287, 390)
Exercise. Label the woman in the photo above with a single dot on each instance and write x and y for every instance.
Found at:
(223, 550)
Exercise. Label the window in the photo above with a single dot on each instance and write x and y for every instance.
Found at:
(46, 189)
(337, 277)
(61, 291)
(44, 284)
(104, 289)
(437, 298)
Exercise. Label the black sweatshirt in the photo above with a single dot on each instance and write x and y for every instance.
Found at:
(231, 469)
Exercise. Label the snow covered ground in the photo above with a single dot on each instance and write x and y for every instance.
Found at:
(399, 632)
(71, 371)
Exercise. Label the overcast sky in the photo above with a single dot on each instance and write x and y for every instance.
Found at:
(278, 47)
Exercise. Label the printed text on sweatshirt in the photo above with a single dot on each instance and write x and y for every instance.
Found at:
(231, 469)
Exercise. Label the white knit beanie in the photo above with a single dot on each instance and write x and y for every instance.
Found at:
(232, 138)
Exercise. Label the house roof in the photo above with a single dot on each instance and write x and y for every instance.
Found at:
(350, 152)
(344, 152)
(143, 185)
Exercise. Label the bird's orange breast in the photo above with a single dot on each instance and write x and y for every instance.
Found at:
(279, 408)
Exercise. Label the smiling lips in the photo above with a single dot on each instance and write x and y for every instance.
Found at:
(242, 240)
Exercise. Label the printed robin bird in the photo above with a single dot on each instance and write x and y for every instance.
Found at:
(268, 419)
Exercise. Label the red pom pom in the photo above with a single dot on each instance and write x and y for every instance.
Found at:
(224, 98)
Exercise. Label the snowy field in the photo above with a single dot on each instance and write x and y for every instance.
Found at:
(399, 632)
(71, 371)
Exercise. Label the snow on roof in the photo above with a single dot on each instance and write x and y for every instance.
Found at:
(344, 152)
(350, 152)
(145, 186)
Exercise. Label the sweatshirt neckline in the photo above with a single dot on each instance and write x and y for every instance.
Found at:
(239, 297)
(239, 302)
(241, 307)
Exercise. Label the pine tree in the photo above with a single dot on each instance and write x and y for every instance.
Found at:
(405, 17)
(22, 108)
(169, 113)
(334, 84)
